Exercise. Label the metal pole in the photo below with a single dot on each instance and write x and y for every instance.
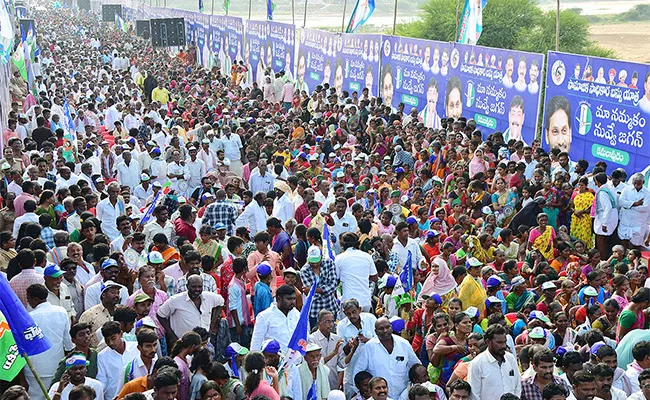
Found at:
(557, 27)
(395, 18)
(250, 6)
(212, 7)
(293, 12)
(345, 6)
(304, 20)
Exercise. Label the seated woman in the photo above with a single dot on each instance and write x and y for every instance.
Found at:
(161, 245)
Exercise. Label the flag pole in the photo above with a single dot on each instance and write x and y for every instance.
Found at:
(293, 12)
(457, 12)
(212, 7)
(250, 5)
(345, 5)
(395, 18)
(557, 27)
(304, 21)
(38, 378)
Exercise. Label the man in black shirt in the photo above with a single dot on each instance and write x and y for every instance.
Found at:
(41, 133)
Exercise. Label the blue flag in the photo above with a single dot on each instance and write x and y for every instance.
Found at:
(147, 215)
(298, 343)
(29, 336)
(313, 393)
(270, 7)
(406, 276)
(327, 242)
(201, 5)
(362, 12)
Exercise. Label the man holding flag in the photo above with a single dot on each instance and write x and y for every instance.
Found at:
(278, 321)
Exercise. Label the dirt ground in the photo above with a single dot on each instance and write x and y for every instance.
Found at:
(630, 41)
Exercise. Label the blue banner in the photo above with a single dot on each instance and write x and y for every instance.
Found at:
(217, 30)
(598, 109)
(358, 62)
(316, 57)
(500, 89)
(235, 38)
(282, 39)
(255, 50)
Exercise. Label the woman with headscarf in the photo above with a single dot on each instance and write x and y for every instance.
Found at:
(478, 164)
(440, 281)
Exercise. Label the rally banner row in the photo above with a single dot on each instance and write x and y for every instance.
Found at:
(595, 108)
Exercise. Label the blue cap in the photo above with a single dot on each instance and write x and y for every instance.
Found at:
(219, 226)
(432, 233)
(436, 297)
(264, 269)
(155, 150)
(494, 281)
(52, 271)
(399, 170)
(411, 220)
(397, 324)
(109, 263)
(302, 154)
(271, 346)
(391, 281)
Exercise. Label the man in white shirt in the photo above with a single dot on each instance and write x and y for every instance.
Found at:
(404, 244)
(344, 222)
(113, 114)
(128, 171)
(196, 168)
(109, 209)
(584, 386)
(644, 383)
(261, 180)
(606, 218)
(143, 364)
(254, 215)
(132, 121)
(55, 324)
(283, 208)
(76, 367)
(232, 147)
(389, 356)
(109, 272)
(355, 269)
(495, 371)
(278, 321)
(183, 311)
(112, 359)
(634, 204)
(66, 178)
(604, 377)
(28, 216)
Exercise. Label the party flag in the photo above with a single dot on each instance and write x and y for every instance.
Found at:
(327, 242)
(19, 61)
(29, 336)
(270, 7)
(226, 6)
(405, 281)
(69, 133)
(298, 343)
(201, 7)
(12, 362)
(471, 22)
(119, 22)
(362, 12)
(6, 34)
(313, 393)
(147, 215)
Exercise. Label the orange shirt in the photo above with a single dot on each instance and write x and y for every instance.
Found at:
(138, 385)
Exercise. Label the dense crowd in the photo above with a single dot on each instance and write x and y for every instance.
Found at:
(167, 250)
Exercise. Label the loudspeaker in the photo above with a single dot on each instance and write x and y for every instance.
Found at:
(168, 32)
(83, 4)
(109, 10)
(143, 29)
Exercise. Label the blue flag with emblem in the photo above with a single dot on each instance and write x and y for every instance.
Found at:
(327, 242)
(406, 276)
(298, 343)
(147, 215)
(28, 336)
(270, 7)
(362, 12)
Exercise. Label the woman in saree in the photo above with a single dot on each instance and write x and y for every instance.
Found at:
(581, 222)
(542, 237)
(519, 296)
(280, 241)
(503, 202)
(206, 245)
(450, 349)
(452, 179)
(564, 257)
(161, 244)
(471, 291)
(635, 315)
(551, 207)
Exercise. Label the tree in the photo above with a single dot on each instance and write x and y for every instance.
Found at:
(508, 24)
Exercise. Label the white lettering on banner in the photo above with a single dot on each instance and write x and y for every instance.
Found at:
(406, 58)
(609, 154)
(482, 72)
(598, 90)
